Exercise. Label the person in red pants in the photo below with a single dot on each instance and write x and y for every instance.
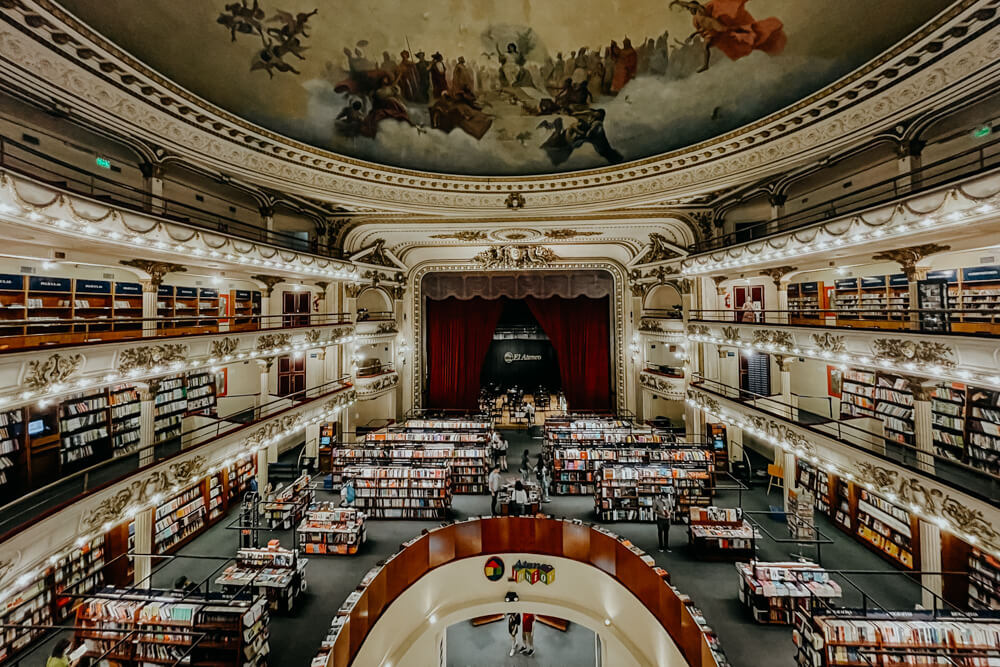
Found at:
(527, 634)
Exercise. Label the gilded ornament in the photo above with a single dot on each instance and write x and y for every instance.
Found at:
(564, 234)
(467, 235)
(731, 333)
(58, 368)
(272, 341)
(904, 351)
(155, 270)
(697, 330)
(515, 257)
(224, 347)
(827, 342)
(148, 356)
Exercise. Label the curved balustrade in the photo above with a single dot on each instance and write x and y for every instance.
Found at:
(967, 321)
(543, 536)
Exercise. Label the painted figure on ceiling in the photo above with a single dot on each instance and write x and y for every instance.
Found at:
(729, 27)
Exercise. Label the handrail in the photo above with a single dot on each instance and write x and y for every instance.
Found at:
(43, 501)
(935, 174)
(74, 331)
(957, 474)
(862, 318)
(662, 313)
(365, 373)
(364, 315)
(542, 535)
(67, 177)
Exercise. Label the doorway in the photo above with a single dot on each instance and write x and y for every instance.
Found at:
(295, 306)
(752, 293)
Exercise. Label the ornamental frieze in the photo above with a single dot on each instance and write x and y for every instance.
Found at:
(697, 330)
(515, 257)
(58, 368)
(273, 341)
(903, 351)
(148, 357)
(659, 385)
(765, 338)
(224, 347)
(368, 387)
(827, 342)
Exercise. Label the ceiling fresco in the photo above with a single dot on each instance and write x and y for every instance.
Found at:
(519, 87)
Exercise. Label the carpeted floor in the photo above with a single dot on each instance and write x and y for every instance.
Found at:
(489, 646)
(712, 586)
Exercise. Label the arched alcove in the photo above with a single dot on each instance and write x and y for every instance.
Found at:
(665, 298)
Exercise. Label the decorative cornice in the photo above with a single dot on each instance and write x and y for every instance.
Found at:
(903, 351)
(271, 341)
(155, 270)
(515, 257)
(148, 357)
(827, 342)
(224, 347)
(769, 338)
(43, 374)
(663, 387)
(908, 257)
(369, 387)
(778, 272)
(270, 282)
(162, 113)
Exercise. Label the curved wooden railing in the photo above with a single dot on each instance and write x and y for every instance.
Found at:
(564, 538)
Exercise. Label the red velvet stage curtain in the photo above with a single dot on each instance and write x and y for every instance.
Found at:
(580, 333)
(459, 333)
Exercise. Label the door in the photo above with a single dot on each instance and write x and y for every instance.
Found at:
(298, 305)
(291, 375)
(754, 294)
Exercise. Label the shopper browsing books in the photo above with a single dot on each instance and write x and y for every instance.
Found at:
(58, 656)
(514, 630)
(518, 500)
(504, 445)
(663, 508)
(493, 483)
(347, 493)
(525, 468)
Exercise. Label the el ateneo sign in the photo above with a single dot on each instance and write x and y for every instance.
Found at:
(514, 357)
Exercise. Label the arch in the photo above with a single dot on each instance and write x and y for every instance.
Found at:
(662, 297)
(611, 565)
(375, 300)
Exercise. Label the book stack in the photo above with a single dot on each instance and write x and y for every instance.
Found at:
(627, 493)
(774, 591)
(287, 506)
(329, 529)
(273, 572)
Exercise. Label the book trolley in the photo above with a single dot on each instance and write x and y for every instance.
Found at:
(331, 530)
(274, 573)
(721, 533)
(774, 591)
(286, 508)
(140, 627)
(856, 637)
(402, 492)
(626, 493)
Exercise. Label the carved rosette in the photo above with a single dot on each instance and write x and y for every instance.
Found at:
(272, 341)
(150, 356)
(42, 374)
(905, 351)
(114, 510)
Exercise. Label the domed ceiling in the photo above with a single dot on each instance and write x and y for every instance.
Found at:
(519, 87)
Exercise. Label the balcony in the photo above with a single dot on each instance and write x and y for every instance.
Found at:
(980, 160)
(663, 381)
(661, 322)
(375, 381)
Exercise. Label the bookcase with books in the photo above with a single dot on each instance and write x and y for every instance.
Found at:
(288, 505)
(245, 310)
(983, 422)
(402, 492)
(948, 420)
(49, 299)
(888, 529)
(871, 302)
(626, 493)
(208, 307)
(139, 627)
(83, 429)
(858, 394)
(179, 518)
(774, 591)
(805, 303)
(77, 573)
(216, 496)
(170, 404)
(894, 406)
(856, 637)
(126, 409)
(274, 573)
(239, 475)
(200, 393)
(186, 308)
(469, 465)
(977, 295)
(11, 451)
(13, 304)
(461, 424)
(92, 305)
(898, 302)
(818, 482)
(331, 530)
(845, 505)
(24, 610)
(984, 580)
(127, 305)
(720, 533)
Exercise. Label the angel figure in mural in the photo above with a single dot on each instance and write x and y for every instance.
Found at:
(729, 27)
(586, 127)
(240, 18)
(294, 25)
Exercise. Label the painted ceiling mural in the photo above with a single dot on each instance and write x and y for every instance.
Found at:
(504, 87)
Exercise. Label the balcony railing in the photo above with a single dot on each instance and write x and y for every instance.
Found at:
(61, 175)
(365, 315)
(978, 321)
(374, 371)
(23, 334)
(663, 313)
(32, 506)
(936, 174)
(958, 474)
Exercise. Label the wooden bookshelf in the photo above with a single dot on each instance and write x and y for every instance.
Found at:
(898, 300)
(806, 303)
(200, 393)
(398, 492)
(888, 529)
(92, 306)
(12, 448)
(331, 530)
(858, 394)
(49, 299)
(238, 477)
(179, 518)
(84, 430)
(244, 310)
(286, 509)
(170, 405)
(948, 409)
(978, 289)
(865, 302)
(984, 580)
(818, 482)
(983, 423)
(13, 304)
(127, 304)
(126, 415)
(467, 463)
(894, 406)
(274, 573)
(773, 592)
(627, 493)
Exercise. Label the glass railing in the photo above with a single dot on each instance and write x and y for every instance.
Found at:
(35, 504)
(976, 321)
(978, 160)
(868, 438)
(28, 161)
(19, 334)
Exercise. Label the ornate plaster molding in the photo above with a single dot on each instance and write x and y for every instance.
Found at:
(908, 257)
(224, 347)
(43, 374)
(373, 386)
(769, 338)
(904, 351)
(271, 341)
(148, 357)
(156, 271)
(515, 257)
(661, 386)
(827, 342)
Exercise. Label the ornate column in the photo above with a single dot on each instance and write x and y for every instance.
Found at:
(923, 434)
(261, 455)
(142, 565)
(150, 288)
(779, 275)
(147, 421)
(908, 258)
(269, 282)
(930, 561)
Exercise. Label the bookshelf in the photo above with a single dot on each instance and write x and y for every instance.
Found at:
(720, 533)
(888, 529)
(977, 289)
(49, 299)
(25, 609)
(127, 304)
(858, 394)
(13, 304)
(92, 305)
(208, 307)
(871, 302)
(817, 482)
(948, 420)
(626, 493)
(273, 573)
(800, 514)
(852, 637)
(126, 410)
(984, 580)
(398, 492)
(171, 627)
(287, 507)
(11, 449)
(165, 306)
(477, 425)
(83, 429)
(898, 300)
(983, 423)
(894, 406)
(179, 518)
(216, 496)
(772, 592)
(200, 393)
(468, 464)
(805, 303)
(77, 573)
(239, 475)
(186, 307)
(843, 515)
(170, 405)
(245, 310)
(331, 530)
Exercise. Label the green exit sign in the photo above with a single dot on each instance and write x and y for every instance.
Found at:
(982, 132)
(104, 163)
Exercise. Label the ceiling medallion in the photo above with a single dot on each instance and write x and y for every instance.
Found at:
(515, 257)
(516, 234)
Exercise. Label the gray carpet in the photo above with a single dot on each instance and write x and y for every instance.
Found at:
(489, 646)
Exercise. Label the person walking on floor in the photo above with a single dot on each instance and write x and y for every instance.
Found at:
(527, 634)
(58, 656)
(496, 445)
(347, 493)
(518, 499)
(525, 468)
(493, 481)
(514, 630)
(504, 446)
(663, 509)
(546, 483)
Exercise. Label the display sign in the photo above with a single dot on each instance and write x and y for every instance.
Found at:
(533, 573)
(899, 280)
(128, 288)
(494, 568)
(847, 283)
(187, 292)
(809, 287)
(242, 295)
(514, 357)
(873, 281)
(43, 284)
(522, 362)
(165, 290)
(93, 286)
(208, 293)
(977, 273)
(11, 281)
